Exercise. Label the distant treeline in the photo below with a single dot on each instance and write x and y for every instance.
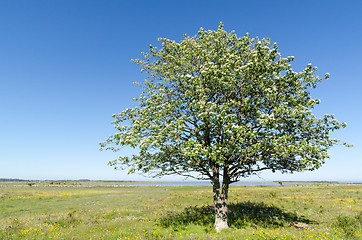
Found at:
(23, 180)
(13, 180)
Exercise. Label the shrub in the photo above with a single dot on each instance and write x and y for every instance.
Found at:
(350, 225)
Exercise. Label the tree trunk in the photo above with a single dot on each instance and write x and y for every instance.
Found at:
(221, 205)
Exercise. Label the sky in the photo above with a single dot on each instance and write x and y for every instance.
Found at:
(65, 68)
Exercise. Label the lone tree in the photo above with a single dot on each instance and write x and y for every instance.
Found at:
(217, 107)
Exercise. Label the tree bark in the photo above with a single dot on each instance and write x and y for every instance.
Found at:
(221, 204)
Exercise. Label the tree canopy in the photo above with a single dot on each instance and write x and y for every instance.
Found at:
(219, 107)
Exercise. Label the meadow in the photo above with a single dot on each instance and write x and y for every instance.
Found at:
(65, 210)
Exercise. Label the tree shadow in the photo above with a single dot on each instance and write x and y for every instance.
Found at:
(241, 214)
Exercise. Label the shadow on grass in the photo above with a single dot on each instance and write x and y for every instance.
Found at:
(240, 214)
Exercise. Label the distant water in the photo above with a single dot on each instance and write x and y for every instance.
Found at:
(179, 183)
(205, 183)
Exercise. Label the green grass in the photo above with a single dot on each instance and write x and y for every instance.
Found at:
(61, 211)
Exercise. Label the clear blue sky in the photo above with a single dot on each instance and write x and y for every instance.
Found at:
(65, 69)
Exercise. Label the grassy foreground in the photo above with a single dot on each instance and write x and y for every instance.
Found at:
(57, 211)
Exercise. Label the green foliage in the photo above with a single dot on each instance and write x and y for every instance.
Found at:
(349, 224)
(219, 103)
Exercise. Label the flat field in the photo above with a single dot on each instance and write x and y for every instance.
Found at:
(73, 211)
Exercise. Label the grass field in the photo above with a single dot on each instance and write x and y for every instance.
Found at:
(71, 211)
